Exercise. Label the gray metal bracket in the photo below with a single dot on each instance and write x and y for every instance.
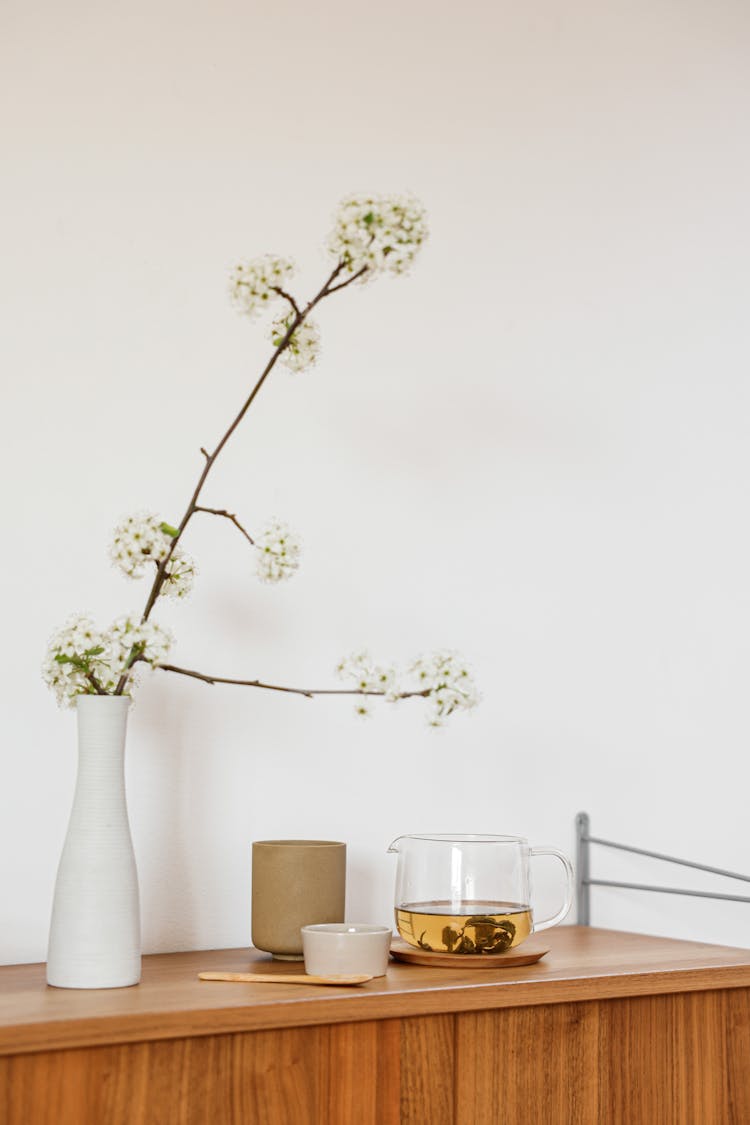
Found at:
(584, 882)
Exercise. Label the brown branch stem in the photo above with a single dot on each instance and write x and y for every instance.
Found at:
(192, 504)
(298, 318)
(95, 684)
(288, 297)
(355, 277)
(309, 693)
(228, 516)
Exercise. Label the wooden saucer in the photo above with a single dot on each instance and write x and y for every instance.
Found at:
(526, 955)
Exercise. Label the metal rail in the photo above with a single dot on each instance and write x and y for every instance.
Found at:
(584, 881)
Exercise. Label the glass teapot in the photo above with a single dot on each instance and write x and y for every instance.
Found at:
(469, 893)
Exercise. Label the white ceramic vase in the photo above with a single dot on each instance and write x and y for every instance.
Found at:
(95, 933)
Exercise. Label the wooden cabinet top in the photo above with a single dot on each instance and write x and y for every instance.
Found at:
(170, 1002)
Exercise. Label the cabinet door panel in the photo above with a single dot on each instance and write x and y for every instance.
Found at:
(682, 1059)
(361, 1074)
(428, 1070)
(263, 1078)
(528, 1064)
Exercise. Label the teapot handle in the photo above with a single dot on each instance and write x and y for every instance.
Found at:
(547, 922)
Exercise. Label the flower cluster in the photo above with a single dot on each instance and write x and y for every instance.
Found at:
(368, 677)
(278, 552)
(449, 683)
(85, 660)
(253, 284)
(143, 539)
(442, 678)
(133, 640)
(179, 575)
(303, 348)
(138, 541)
(76, 659)
(381, 234)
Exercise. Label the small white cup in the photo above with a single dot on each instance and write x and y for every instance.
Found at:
(346, 947)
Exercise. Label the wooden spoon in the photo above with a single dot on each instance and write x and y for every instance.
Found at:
(286, 978)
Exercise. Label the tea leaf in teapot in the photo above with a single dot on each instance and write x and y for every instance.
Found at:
(489, 935)
(451, 937)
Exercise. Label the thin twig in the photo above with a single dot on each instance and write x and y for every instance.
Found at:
(228, 516)
(309, 693)
(288, 296)
(95, 684)
(354, 277)
(205, 453)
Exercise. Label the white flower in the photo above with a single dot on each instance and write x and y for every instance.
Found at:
(381, 233)
(278, 552)
(139, 541)
(252, 285)
(85, 660)
(366, 676)
(304, 346)
(179, 575)
(76, 653)
(150, 641)
(144, 539)
(449, 682)
(443, 676)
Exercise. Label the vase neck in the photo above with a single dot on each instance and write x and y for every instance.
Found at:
(102, 724)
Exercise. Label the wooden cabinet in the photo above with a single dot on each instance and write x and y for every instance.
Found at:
(607, 1029)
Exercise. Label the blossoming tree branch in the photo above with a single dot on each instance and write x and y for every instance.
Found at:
(371, 236)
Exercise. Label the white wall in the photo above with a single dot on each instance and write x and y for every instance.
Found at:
(533, 449)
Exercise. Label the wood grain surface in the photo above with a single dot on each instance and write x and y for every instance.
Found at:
(675, 1059)
(678, 1059)
(170, 1002)
(610, 1029)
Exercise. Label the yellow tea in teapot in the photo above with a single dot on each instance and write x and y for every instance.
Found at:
(464, 927)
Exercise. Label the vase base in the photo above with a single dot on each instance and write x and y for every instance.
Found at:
(287, 957)
(77, 976)
(81, 985)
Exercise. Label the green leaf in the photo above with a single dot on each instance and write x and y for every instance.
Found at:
(61, 658)
(97, 651)
(369, 218)
(169, 530)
